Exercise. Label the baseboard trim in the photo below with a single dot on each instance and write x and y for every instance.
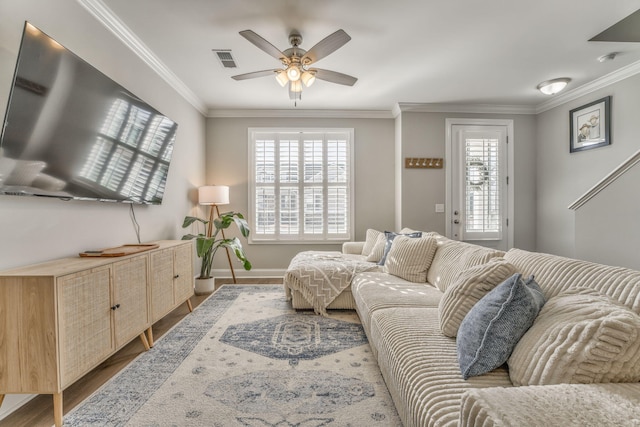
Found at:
(13, 402)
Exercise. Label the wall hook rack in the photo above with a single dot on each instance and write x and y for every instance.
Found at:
(423, 162)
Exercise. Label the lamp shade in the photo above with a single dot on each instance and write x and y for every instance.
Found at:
(213, 195)
(308, 78)
(282, 78)
(293, 72)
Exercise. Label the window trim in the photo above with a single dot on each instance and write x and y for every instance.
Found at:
(297, 239)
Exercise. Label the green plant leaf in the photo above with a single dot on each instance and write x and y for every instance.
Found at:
(206, 247)
(188, 220)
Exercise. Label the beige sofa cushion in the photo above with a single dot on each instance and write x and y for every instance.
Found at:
(377, 290)
(410, 258)
(420, 366)
(555, 274)
(469, 287)
(570, 405)
(452, 257)
(580, 336)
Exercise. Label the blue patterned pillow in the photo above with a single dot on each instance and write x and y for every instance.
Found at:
(490, 331)
(390, 235)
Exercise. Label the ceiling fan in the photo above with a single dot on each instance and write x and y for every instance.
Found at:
(297, 61)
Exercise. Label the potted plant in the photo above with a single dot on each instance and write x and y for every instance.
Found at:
(208, 243)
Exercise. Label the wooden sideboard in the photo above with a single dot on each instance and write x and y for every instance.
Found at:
(62, 318)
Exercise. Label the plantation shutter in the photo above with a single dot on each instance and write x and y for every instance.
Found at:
(482, 204)
(301, 185)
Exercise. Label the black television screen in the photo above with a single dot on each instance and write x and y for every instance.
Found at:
(73, 133)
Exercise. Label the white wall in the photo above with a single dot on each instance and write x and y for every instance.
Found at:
(227, 163)
(38, 229)
(423, 135)
(563, 177)
(616, 241)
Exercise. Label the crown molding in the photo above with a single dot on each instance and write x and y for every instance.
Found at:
(111, 22)
(316, 114)
(599, 83)
(415, 107)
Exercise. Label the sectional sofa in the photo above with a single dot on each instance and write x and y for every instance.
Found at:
(575, 363)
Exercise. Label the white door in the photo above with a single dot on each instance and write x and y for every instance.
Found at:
(478, 175)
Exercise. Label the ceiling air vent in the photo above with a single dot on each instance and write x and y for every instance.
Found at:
(225, 58)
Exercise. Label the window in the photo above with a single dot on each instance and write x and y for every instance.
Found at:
(300, 185)
(482, 188)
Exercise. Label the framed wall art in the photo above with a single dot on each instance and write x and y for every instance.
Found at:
(590, 125)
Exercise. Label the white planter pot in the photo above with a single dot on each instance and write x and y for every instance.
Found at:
(205, 286)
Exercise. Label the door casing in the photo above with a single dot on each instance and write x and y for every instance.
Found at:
(449, 123)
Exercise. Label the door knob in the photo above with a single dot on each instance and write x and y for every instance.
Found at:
(456, 221)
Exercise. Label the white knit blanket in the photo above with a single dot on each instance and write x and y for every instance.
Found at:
(320, 276)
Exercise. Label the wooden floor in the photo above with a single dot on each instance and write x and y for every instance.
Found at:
(39, 411)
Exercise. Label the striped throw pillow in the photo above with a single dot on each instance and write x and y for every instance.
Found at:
(580, 336)
(471, 285)
(410, 258)
(370, 241)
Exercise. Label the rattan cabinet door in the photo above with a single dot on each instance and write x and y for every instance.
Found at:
(84, 316)
(130, 296)
(161, 283)
(183, 273)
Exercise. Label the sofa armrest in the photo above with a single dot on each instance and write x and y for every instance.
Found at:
(562, 404)
(354, 248)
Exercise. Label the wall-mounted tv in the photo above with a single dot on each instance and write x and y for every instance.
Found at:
(73, 133)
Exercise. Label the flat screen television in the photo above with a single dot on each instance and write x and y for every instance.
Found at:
(73, 133)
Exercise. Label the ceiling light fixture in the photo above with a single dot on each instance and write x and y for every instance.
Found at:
(293, 72)
(308, 78)
(608, 57)
(296, 62)
(281, 77)
(551, 87)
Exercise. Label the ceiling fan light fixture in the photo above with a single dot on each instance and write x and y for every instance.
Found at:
(293, 72)
(281, 77)
(308, 78)
(551, 87)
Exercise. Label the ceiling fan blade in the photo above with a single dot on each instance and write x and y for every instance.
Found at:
(324, 47)
(255, 74)
(262, 44)
(334, 77)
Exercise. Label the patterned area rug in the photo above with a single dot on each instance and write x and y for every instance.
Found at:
(244, 357)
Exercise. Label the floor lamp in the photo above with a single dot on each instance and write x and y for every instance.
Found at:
(214, 195)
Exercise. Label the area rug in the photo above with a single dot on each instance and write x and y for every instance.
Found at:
(244, 357)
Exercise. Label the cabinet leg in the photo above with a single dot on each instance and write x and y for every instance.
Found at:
(189, 305)
(1, 399)
(145, 343)
(57, 409)
(150, 336)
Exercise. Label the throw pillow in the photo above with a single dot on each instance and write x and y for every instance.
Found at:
(496, 323)
(580, 336)
(378, 249)
(469, 287)
(390, 236)
(370, 241)
(410, 258)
